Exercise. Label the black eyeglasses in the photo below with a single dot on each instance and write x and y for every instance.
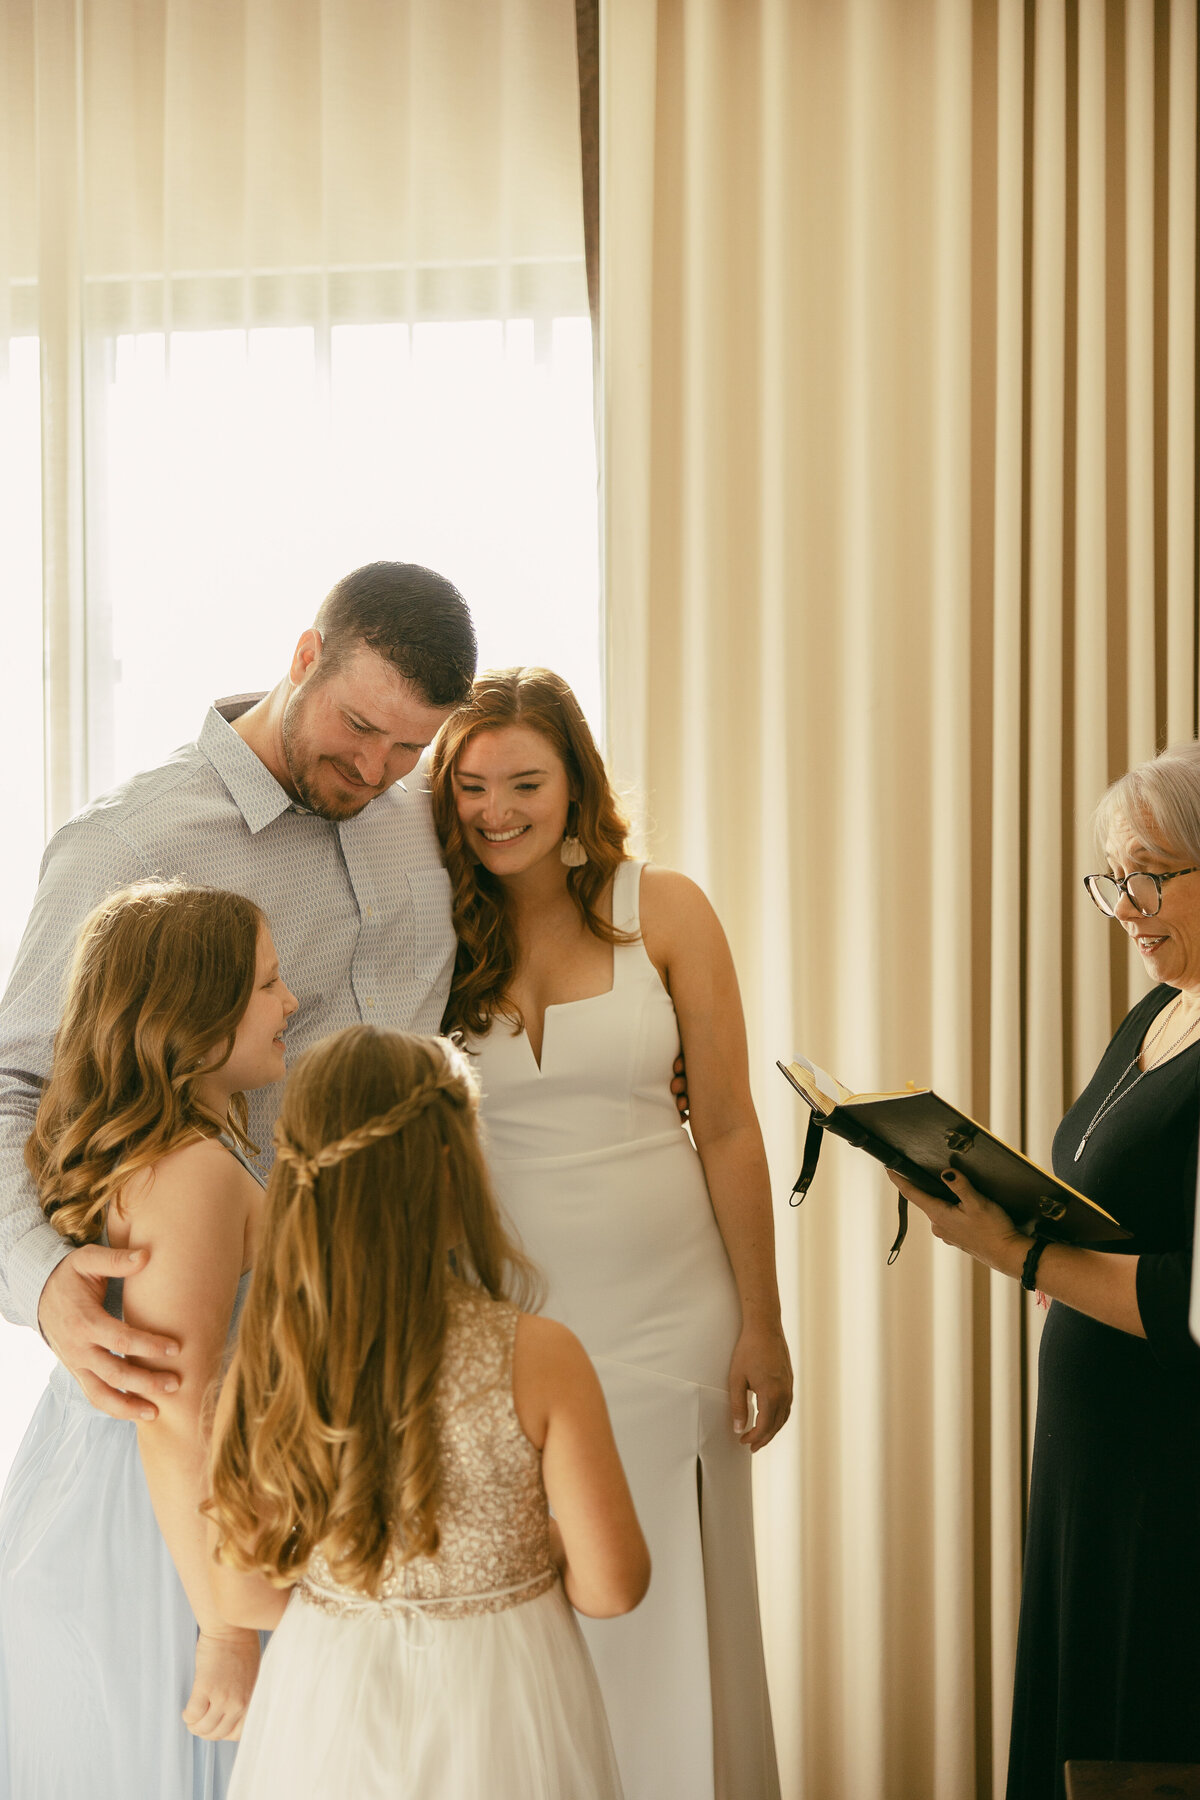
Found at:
(1144, 892)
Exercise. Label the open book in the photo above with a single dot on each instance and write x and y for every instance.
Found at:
(918, 1134)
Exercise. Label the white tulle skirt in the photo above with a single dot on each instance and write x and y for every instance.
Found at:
(497, 1706)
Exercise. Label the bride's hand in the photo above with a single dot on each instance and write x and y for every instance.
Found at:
(226, 1667)
(761, 1366)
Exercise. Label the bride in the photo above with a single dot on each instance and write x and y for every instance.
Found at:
(580, 975)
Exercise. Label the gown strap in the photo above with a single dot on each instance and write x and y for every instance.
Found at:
(631, 963)
(627, 884)
(629, 960)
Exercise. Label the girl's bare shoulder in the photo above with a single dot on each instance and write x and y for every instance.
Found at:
(537, 1336)
(550, 1368)
(200, 1172)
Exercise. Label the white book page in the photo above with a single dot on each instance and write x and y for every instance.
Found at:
(827, 1086)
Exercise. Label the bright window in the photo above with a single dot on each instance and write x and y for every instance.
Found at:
(247, 470)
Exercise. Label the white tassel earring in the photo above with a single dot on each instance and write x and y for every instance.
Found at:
(573, 853)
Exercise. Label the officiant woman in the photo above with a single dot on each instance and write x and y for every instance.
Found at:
(1108, 1651)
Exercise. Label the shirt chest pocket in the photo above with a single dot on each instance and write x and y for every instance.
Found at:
(432, 937)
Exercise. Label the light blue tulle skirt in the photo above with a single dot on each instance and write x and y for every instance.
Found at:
(97, 1640)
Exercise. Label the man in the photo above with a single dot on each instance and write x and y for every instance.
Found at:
(295, 799)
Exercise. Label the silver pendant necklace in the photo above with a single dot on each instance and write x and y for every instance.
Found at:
(1108, 1102)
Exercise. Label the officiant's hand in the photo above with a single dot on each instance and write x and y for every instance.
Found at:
(975, 1224)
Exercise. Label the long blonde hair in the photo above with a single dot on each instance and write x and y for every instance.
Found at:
(161, 978)
(487, 947)
(327, 1432)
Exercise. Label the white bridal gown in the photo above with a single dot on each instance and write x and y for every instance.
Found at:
(608, 1196)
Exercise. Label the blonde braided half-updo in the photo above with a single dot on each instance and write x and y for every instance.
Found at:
(328, 1431)
(450, 1080)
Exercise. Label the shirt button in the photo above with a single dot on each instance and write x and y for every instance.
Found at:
(370, 912)
(369, 1003)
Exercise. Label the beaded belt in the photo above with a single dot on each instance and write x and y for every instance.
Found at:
(412, 1610)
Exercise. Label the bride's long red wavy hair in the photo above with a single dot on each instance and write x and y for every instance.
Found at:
(487, 950)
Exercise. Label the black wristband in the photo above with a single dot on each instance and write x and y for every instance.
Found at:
(1032, 1258)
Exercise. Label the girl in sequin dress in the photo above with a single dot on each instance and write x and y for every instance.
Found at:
(379, 1453)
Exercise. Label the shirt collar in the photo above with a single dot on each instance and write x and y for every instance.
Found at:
(252, 787)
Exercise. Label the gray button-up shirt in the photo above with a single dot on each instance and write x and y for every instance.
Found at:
(360, 914)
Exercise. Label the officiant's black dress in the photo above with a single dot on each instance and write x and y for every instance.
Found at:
(1108, 1651)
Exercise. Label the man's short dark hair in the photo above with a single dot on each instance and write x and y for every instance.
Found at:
(415, 618)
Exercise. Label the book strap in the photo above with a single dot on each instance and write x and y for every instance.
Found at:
(902, 1227)
(812, 1151)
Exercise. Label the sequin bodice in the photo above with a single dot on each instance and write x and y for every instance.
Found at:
(494, 1549)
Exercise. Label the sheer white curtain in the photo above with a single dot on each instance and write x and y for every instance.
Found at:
(307, 280)
(285, 286)
(899, 329)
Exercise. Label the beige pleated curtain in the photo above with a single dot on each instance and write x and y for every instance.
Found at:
(899, 349)
(899, 320)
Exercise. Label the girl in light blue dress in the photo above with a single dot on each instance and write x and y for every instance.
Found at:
(119, 1678)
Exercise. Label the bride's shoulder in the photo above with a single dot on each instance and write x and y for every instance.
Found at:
(674, 909)
(679, 924)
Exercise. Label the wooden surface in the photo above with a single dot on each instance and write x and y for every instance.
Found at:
(1132, 1781)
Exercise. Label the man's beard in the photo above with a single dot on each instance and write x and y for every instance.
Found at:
(301, 768)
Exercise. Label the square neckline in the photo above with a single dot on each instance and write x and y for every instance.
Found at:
(620, 906)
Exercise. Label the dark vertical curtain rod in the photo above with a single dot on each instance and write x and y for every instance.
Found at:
(587, 43)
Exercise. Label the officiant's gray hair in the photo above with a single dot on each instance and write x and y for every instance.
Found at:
(1160, 801)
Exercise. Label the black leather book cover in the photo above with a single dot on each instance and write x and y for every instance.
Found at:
(919, 1134)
